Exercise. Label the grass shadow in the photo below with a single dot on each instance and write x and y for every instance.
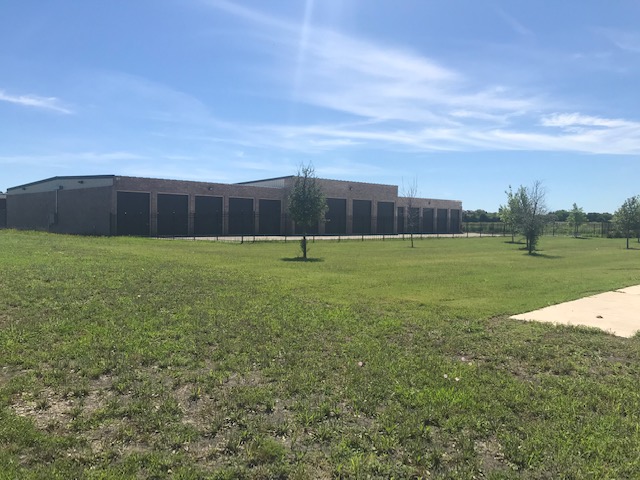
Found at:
(303, 260)
(539, 254)
(544, 255)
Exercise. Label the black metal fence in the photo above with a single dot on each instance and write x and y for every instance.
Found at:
(590, 229)
(177, 224)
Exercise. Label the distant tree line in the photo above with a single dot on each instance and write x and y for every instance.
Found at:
(556, 216)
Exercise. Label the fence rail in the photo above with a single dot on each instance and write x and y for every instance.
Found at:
(175, 224)
(589, 229)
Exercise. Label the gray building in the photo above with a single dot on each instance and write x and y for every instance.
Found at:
(3, 210)
(119, 205)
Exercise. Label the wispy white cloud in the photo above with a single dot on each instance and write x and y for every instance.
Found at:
(517, 26)
(628, 41)
(576, 133)
(158, 169)
(35, 101)
(366, 79)
(246, 13)
(576, 119)
(482, 116)
(561, 132)
(71, 158)
(185, 167)
(400, 99)
(130, 95)
(345, 168)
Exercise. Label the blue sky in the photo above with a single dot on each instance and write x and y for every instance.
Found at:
(466, 96)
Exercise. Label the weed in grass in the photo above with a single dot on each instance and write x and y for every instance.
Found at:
(265, 450)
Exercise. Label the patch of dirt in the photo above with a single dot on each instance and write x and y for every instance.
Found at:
(48, 410)
(51, 410)
(490, 455)
(221, 417)
(214, 415)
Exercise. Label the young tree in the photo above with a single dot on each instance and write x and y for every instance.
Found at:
(307, 203)
(576, 218)
(510, 213)
(627, 217)
(413, 219)
(534, 210)
(527, 212)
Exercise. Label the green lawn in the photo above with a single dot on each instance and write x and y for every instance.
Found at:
(143, 358)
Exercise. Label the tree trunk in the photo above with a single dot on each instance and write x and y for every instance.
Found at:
(303, 246)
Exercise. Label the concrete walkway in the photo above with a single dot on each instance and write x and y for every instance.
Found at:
(616, 312)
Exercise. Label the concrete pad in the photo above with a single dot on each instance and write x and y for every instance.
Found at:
(635, 290)
(616, 312)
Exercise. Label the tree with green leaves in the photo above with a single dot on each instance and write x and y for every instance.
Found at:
(307, 203)
(576, 218)
(627, 218)
(533, 210)
(526, 213)
(510, 213)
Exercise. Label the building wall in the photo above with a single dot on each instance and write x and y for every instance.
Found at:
(82, 211)
(89, 205)
(225, 191)
(77, 205)
(435, 216)
(3, 211)
(31, 212)
(355, 192)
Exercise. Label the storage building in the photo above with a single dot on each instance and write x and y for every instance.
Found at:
(120, 205)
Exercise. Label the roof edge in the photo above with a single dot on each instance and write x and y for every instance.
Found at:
(265, 180)
(71, 177)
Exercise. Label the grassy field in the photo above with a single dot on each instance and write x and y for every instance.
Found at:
(142, 358)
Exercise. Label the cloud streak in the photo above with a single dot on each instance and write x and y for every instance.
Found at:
(624, 40)
(71, 158)
(35, 101)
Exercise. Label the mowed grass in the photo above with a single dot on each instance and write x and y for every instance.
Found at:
(142, 358)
